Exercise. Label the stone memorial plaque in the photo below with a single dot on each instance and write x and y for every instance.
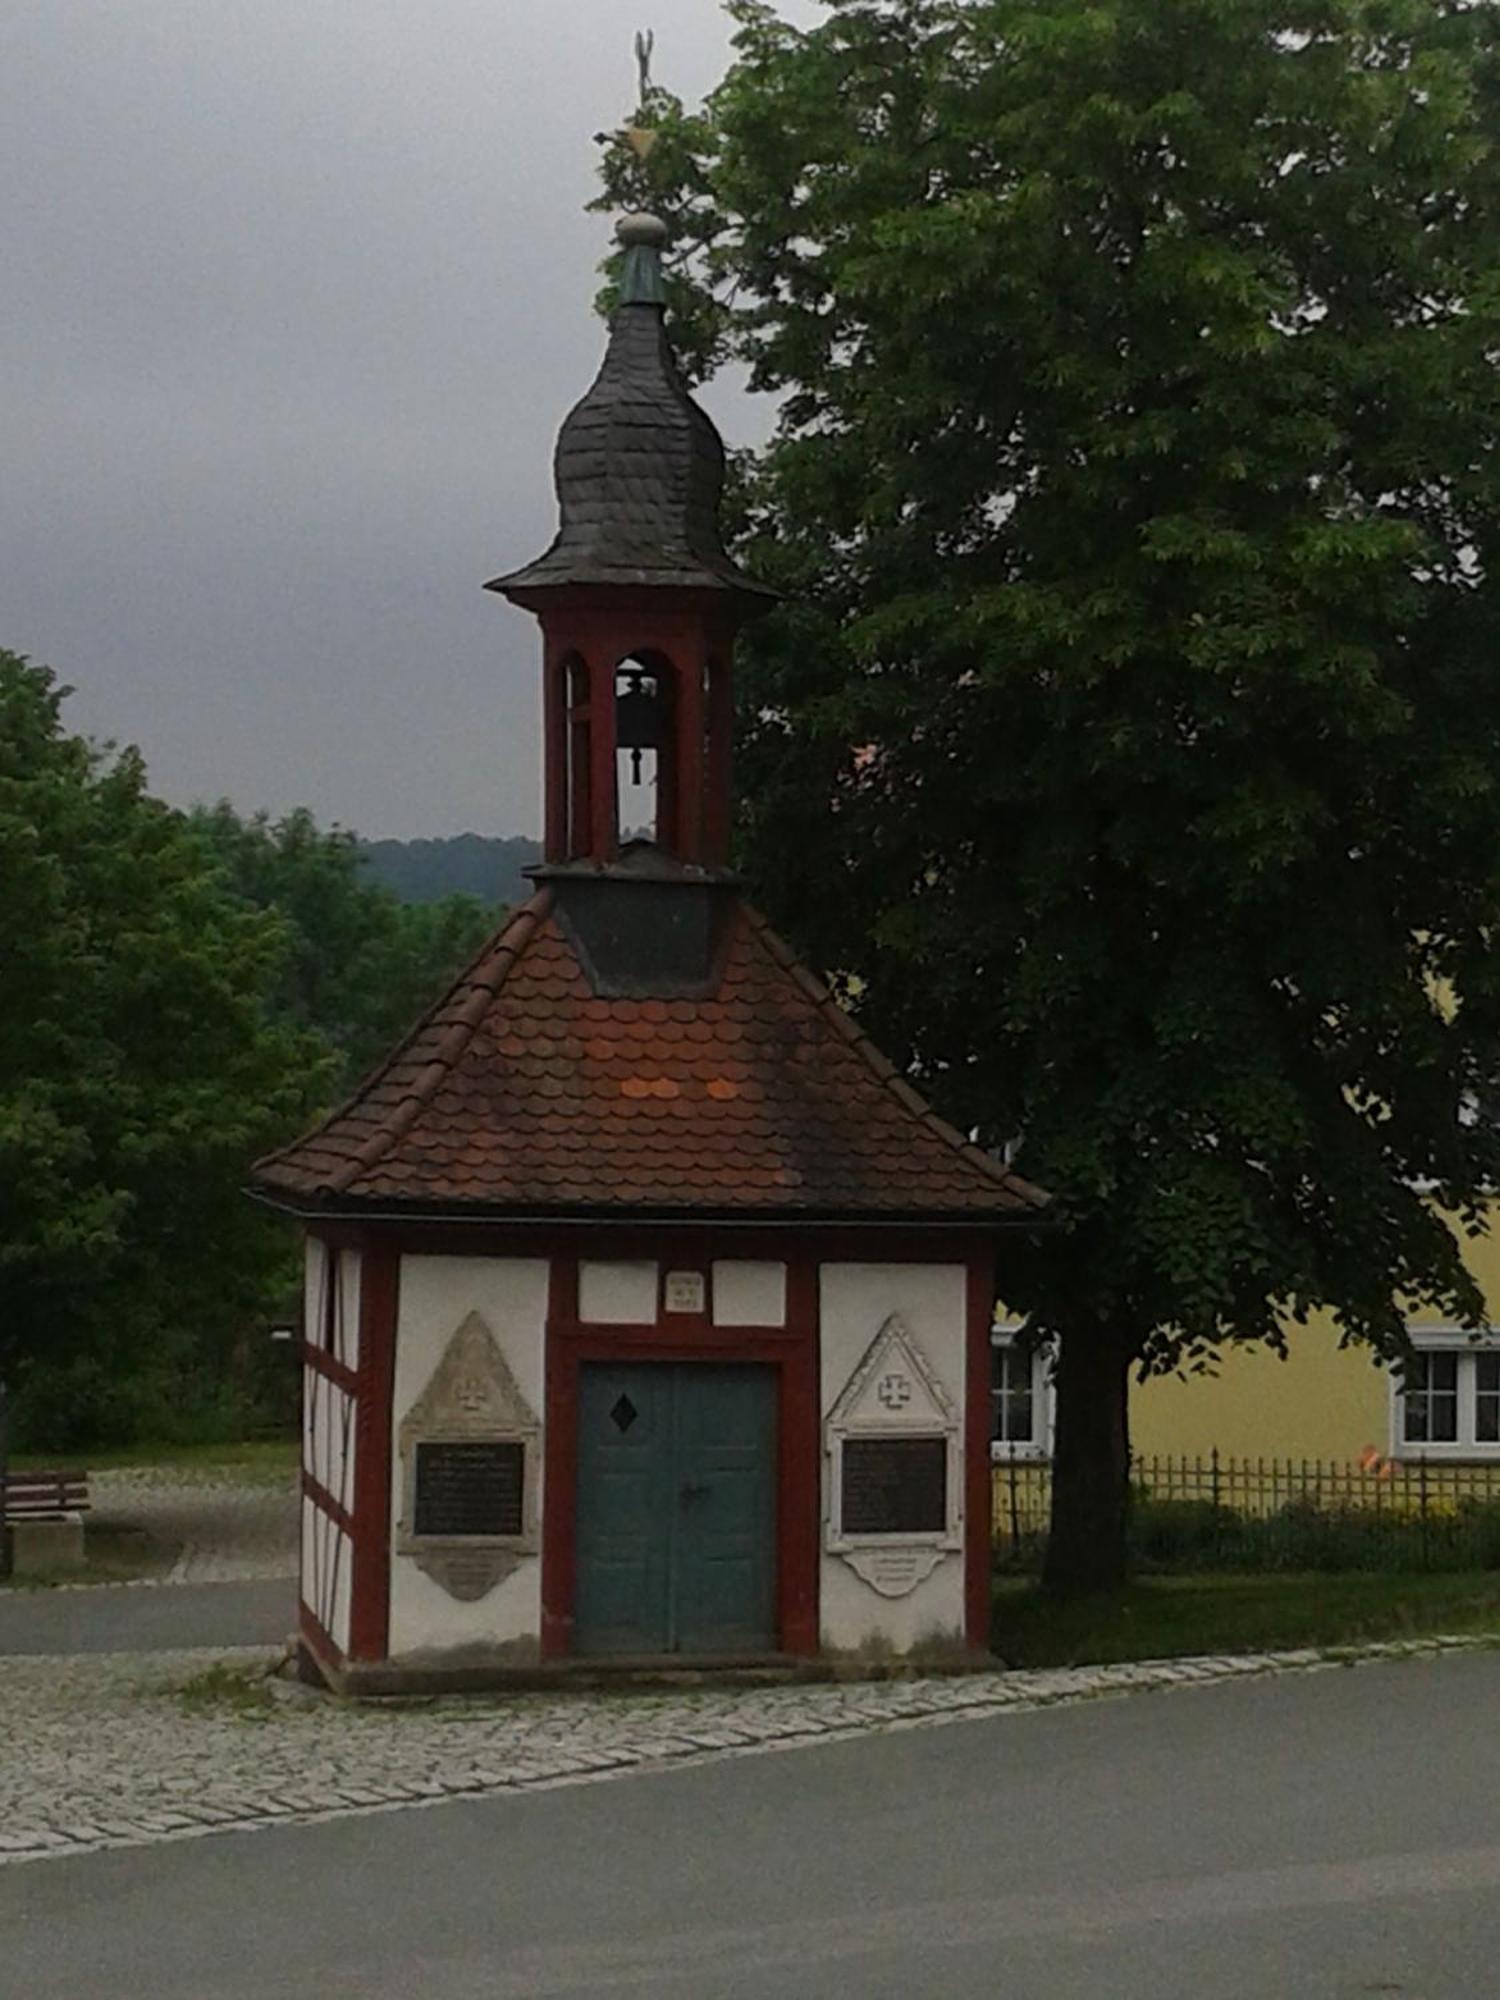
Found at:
(473, 1486)
(895, 1486)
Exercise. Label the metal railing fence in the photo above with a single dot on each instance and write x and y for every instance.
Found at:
(1216, 1512)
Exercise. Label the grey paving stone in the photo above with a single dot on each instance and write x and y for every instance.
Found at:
(102, 1751)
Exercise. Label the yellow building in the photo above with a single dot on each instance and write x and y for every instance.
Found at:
(1322, 1402)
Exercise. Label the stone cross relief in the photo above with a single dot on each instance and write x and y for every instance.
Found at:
(894, 1391)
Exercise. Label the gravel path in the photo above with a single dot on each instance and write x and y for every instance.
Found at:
(222, 1529)
(124, 1750)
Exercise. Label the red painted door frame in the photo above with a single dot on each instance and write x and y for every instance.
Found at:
(791, 1350)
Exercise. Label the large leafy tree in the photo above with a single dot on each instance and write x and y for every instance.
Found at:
(1133, 729)
(360, 964)
(178, 992)
(140, 1068)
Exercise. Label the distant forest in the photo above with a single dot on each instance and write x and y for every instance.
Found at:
(462, 864)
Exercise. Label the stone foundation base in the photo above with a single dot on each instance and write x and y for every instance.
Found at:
(49, 1546)
(385, 1679)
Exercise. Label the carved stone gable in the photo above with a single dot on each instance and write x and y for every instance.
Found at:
(471, 1398)
(895, 1484)
(894, 1386)
(471, 1391)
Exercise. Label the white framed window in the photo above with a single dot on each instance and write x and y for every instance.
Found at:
(1020, 1398)
(1447, 1404)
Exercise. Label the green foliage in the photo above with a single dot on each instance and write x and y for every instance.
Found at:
(139, 1072)
(674, 181)
(178, 994)
(1168, 1535)
(1132, 735)
(360, 965)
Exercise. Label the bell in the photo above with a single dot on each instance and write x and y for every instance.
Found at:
(639, 722)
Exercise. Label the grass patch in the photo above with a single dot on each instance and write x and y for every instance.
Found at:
(225, 1690)
(265, 1460)
(1168, 1617)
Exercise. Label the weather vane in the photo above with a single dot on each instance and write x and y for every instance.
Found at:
(638, 135)
(645, 42)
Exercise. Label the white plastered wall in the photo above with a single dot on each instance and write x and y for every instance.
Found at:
(327, 1572)
(318, 1275)
(749, 1293)
(855, 1300)
(328, 1437)
(617, 1294)
(437, 1295)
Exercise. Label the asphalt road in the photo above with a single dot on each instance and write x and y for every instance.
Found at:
(1326, 1835)
(146, 1619)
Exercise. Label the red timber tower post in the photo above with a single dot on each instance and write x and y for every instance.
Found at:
(648, 1307)
(637, 600)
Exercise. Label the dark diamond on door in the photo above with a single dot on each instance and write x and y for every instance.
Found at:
(676, 1509)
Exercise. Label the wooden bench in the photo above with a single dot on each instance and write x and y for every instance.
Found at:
(39, 1496)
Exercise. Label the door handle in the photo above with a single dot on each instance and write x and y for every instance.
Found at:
(690, 1491)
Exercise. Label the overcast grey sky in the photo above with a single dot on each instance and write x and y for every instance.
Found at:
(295, 295)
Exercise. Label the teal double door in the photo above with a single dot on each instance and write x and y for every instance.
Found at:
(676, 1509)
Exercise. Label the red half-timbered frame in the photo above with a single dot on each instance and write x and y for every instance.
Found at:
(370, 1385)
(370, 1594)
(587, 634)
(319, 1358)
(793, 1350)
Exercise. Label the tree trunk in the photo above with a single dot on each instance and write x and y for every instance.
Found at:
(1090, 1464)
(4, 1473)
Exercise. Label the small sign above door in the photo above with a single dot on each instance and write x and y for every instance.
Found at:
(684, 1292)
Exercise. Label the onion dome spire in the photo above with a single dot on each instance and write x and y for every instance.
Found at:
(639, 467)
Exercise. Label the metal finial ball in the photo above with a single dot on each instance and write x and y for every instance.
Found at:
(647, 231)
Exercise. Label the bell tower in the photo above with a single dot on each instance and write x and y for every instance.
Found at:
(635, 1209)
(639, 605)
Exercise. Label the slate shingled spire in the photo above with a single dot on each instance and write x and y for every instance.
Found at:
(639, 468)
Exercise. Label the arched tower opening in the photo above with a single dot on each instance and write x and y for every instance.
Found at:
(646, 749)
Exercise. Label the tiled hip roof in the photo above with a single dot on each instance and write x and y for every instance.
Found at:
(523, 1091)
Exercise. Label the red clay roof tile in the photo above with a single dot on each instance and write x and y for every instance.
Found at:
(523, 1091)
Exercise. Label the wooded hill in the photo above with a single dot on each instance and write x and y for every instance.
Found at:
(463, 864)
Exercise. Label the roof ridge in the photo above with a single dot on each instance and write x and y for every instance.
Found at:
(501, 951)
(884, 1070)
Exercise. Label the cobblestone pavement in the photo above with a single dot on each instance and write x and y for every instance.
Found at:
(124, 1750)
(211, 1529)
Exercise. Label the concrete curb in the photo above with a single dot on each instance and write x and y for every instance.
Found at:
(462, 1749)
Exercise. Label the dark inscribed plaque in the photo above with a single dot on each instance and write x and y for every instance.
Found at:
(895, 1485)
(476, 1487)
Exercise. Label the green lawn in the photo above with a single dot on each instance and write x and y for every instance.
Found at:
(1167, 1617)
(270, 1459)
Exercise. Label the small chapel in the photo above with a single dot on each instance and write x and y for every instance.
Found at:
(648, 1307)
